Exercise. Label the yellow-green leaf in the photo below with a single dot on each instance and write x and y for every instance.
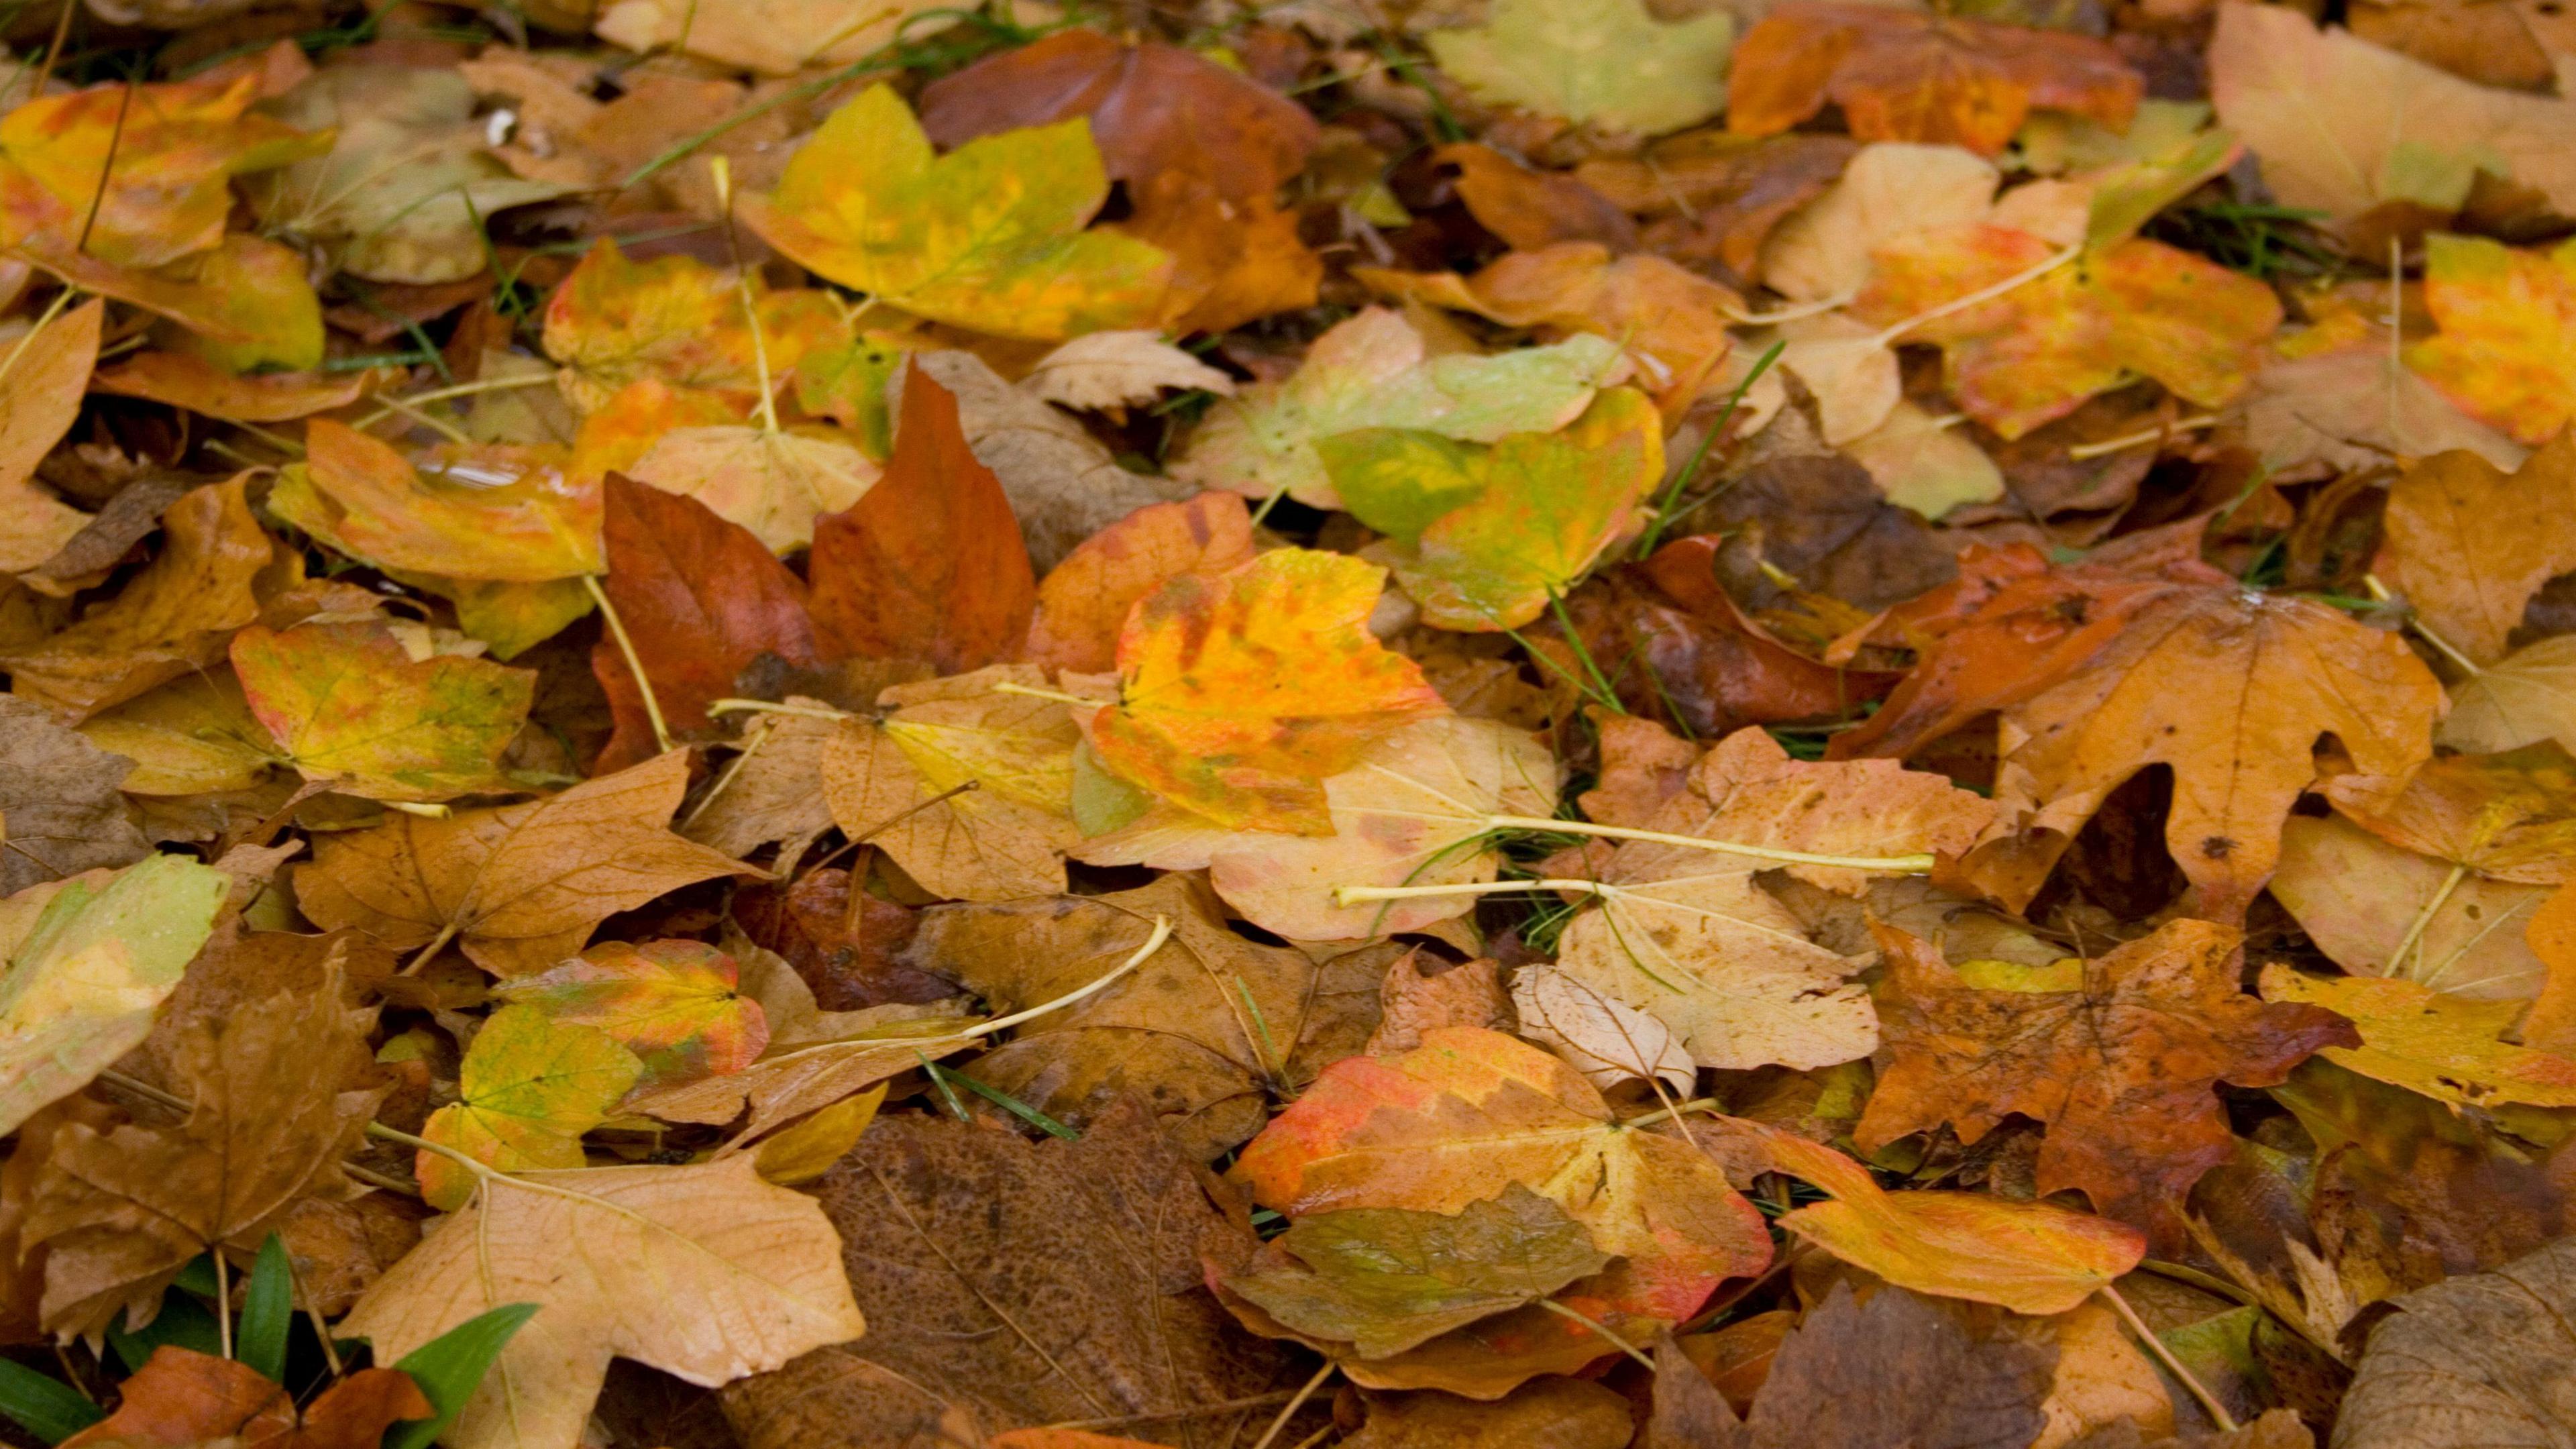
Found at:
(354, 708)
(530, 1087)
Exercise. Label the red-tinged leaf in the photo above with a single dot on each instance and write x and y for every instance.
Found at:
(182, 1399)
(352, 708)
(672, 1003)
(1084, 601)
(701, 599)
(929, 565)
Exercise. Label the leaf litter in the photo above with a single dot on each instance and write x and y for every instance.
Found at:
(1395, 723)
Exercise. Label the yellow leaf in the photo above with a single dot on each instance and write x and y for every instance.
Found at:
(2442, 1046)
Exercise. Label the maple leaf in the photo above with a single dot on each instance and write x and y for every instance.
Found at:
(1240, 692)
(2469, 543)
(1016, 1283)
(2029, 1257)
(2230, 689)
(40, 398)
(1687, 936)
(675, 1004)
(1374, 371)
(349, 705)
(84, 979)
(1202, 1030)
(495, 515)
(170, 620)
(1462, 517)
(2443, 1046)
(2342, 125)
(1005, 832)
(2376, 909)
(613, 322)
(530, 1086)
(1471, 1112)
(2039, 349)
(929, 564)
(987, 237)
(276, 1109)
(1608, 62)
(705, 1272)
(175, 149)
(1383, 1280)
(521, 887)
(2508, 333)
(181, 1397)
(701, 598)
(1911, 76)
(1414, 808)
(2122, 1072)
(1083, 602)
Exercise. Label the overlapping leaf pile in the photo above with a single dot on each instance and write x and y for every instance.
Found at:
(1402, 723)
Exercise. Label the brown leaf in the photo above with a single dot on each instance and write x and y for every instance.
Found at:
(1716, 197)
(2476, 1360)
(1202, 1032)
(277, 1108)
(1532, 209)
(929, 565)
(1084, 601)
(60, 813)
(22, 1292)
(519, 886)
(1009, 1283)
(1548, 1413)
(2275, 1429)
(182, 1398)
(2123, 1072)
(1821, 519)
(2509, 816)
(1413, 1001)
(2468, 544)
(39, 403)
(701, 598)
(1886, 1374)
(767, 793)
(173, 618)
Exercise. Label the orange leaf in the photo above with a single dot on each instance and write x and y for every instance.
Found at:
(1084, 601)
(2468, 544)
(929, 565)
(184, 380)
(182, 1398)
(2508, 341)
(1909, 75)
(2123, 1073)
(1240, 692)
(507, 515)
(614, 322)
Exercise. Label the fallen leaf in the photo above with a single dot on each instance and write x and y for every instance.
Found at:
(1011, 1284)
(701, 598)
(2469, 543)
(530, 1087)
(1413, 1000)
(811, 1064)
(613, 322)
(351, 707)
(193, 735)
(1921, 462)
(60, 813)
(1908, 76)
(496, 516)
(1083, 602)
(1530, 209)
(2524, 698)
(1414, 808)
(2445, 1047)
(1462, 517)
(2509, 816)
(674, 1004)
(1719, 197)
(1610, 63)
(988, 237)
(775, 483)
(171, 619)
(2038, 350)
(181, 1398)
(2359, 898)
(2349, 401)
(1471, 1112)
(2122, 1072)
(408, 181)
(520, 887)
(166, 153)
(1819, 518)
(40, 399)
(278, 1103)
(1239, 693)
(184, 380)
(1894, 1370)
(2342, 125)
(2508, 333)
(1373, 371)
(1548, 1413)
(771, 796)
(704, 1272)
(1005, 833)
(1383, 1280)
(1888, 191)
(1119, 369)
(928, 565)
(1687, 936)
(1607, 1040)
(94, 963)
(2027, 1256)
(772, 37)
(2474, 1359)
(1201, 1031)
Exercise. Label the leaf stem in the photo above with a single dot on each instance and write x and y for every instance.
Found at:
(1623, 1345)
(1891, 864)
(1033, 692)
(2415, 929)
(634, 663)
(52, 310)
(2082, 451)
(1956, 305)
(1153, 942)
(2146, 1337)
(1352, 895)
(763, 706)
(223, 1298)
(1297, 1401)
(2423, 630)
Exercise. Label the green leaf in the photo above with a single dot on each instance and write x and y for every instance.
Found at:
(448, 1367)
(1608, 62)
(48, 1408)
(268, 1307)
(529, 1088)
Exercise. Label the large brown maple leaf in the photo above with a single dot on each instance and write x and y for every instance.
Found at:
(2122, 1073)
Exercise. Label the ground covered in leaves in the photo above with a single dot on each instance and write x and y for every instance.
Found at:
(1722, 724)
